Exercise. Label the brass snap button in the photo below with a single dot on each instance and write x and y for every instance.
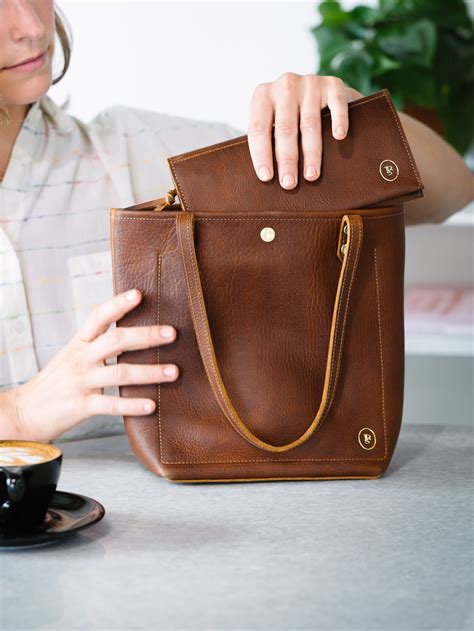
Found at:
(267, 234)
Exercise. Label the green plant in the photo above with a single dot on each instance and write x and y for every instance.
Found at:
(422, 51)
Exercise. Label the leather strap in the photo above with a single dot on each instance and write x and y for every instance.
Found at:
(353, 234)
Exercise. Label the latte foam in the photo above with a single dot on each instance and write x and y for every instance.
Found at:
(17, 454)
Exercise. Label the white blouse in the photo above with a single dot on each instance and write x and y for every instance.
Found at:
(55, 262)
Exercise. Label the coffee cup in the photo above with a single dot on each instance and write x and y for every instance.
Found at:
(29, 473)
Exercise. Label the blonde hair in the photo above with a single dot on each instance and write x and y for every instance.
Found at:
(64, 34)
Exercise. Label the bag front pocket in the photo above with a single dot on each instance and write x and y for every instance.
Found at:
(272, 359)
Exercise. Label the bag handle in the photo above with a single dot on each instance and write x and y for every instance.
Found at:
(348, 249)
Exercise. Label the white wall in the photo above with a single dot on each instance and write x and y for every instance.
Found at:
(196, 59)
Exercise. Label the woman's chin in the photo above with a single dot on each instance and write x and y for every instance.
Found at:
(25, 92)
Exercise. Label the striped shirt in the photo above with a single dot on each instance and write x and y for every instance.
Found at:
(55, 262)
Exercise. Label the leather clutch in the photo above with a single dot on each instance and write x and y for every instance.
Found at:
(372, 166)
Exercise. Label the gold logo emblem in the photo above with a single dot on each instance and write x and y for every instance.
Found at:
(367, 438)
(388, 170)
(267, 234)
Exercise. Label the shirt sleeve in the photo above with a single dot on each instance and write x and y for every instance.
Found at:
(139, 141)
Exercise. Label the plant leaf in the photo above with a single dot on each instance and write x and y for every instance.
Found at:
(353, 66)
(416, 85)
(330, 43)
(382, 63)
(454, 60)
(456, 110)
(444, 13)
(332, 14)
(393, 7)
(365, 15)
(414, 43)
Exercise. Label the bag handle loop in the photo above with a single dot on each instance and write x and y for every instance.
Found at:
(348, 250)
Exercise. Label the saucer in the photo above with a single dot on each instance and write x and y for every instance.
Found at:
(67, 513)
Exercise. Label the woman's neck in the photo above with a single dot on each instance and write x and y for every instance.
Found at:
(9, 133)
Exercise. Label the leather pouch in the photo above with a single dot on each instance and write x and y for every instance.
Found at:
(372, 166)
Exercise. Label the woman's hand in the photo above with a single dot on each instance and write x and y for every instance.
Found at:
(291, 103)
(69, 388)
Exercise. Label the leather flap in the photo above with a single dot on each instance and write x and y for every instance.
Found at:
(372, 166)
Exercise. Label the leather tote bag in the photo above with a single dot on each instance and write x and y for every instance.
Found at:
(288, 307)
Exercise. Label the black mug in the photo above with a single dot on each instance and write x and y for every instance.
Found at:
(29, 473)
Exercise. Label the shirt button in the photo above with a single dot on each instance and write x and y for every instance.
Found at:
(19, 326)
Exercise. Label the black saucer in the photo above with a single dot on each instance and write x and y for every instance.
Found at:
(67, 513)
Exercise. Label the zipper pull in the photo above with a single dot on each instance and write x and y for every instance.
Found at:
(167, 201)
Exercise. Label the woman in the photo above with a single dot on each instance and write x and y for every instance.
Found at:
(61, 176)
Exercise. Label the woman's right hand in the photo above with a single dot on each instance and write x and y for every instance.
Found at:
(69, 388)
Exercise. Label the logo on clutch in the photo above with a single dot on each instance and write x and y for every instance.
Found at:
(367, 438)
(388, 170)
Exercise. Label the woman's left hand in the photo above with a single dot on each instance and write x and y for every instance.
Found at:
(291, 103)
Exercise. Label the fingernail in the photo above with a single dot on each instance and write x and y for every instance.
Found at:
(148, 406)
(339, 131)
(131, 295)
(288, 180)
(264, 173)
(167, 331)
(170, 371)
(310, 172)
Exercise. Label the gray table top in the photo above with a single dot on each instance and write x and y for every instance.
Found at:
(392, 553)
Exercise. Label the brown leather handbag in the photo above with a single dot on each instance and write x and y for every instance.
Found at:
(288, 307)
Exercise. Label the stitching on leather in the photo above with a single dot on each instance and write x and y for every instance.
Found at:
(351, 104)
(203, 153)
(334, 477)
(381, 350)
(158, 284)
(272, 460)
(178, 184)
(259, 218)
(148, 218)
(404, 141)
(291, 218)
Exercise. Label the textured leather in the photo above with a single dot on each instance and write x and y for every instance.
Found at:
(291, 351)
(184, 228)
